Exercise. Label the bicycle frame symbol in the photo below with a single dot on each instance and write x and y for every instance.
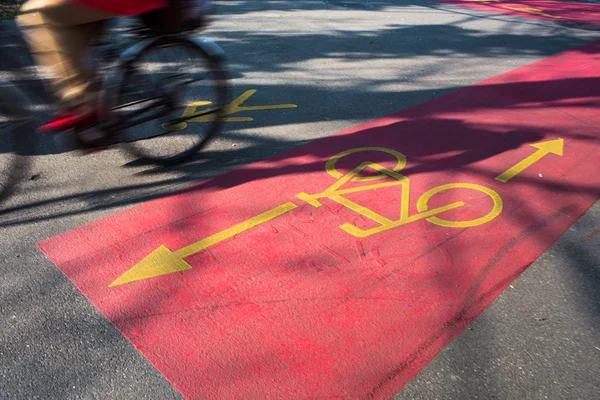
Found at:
(335, 193)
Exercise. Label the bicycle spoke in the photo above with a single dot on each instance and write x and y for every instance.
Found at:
(134, 103)
(179, 74)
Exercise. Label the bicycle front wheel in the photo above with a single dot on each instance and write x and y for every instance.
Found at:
(171, 79)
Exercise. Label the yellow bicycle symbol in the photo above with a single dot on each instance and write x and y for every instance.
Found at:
(165, 261)
(335, 193)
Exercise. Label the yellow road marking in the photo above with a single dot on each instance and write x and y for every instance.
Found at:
(531, 10)
(232, 108)
(544, 148)
(331, 170)
(496, 209)
(163, 261)
(335, 193)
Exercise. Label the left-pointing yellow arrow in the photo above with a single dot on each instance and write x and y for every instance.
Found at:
(551, 146)
(163, 261)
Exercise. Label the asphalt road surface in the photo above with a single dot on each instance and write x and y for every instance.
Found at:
(342, 64)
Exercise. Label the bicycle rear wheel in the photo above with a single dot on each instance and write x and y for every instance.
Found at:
(182, 79)
(15, 137)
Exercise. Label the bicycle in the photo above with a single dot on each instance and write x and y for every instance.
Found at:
(141, 98)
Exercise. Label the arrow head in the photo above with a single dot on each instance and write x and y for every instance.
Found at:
(161, 261)
(551, 146)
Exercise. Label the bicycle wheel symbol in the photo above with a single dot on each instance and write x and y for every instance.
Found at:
(423, 206)
(336, 193)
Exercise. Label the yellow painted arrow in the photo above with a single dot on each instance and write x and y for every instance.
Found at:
(530, 10)
(551, 146)
(232, 108)
(163, 261)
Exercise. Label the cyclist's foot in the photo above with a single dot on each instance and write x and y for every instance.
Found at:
(87, 135)
(69, 119)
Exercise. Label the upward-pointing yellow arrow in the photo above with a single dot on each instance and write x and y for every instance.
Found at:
(551, 146)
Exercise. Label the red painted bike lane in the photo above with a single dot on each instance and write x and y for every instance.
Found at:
(549, 10)
(341, 268)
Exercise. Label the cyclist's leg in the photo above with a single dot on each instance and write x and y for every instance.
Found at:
(59, 33)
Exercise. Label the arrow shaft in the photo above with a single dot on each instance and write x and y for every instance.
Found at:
(234, 230)
(521, 166)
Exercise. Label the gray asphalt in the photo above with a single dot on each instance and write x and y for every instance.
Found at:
(342, 64)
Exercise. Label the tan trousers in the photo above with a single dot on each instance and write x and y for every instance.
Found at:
(59, 33)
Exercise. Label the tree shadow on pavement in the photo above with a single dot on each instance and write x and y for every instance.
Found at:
(452, 144)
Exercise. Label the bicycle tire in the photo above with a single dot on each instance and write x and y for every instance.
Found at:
(15, 137)
(219, 85)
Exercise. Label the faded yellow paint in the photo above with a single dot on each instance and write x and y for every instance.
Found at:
(336, 193)
(237, 229)
(163, 261)
(531, 10)
(232, 108)
(188, 112)
(422, 205)
(331, 170)
(551, 146)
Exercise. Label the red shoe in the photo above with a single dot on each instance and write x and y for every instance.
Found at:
(67, 120)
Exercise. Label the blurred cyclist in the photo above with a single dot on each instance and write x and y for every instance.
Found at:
(59, 34)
